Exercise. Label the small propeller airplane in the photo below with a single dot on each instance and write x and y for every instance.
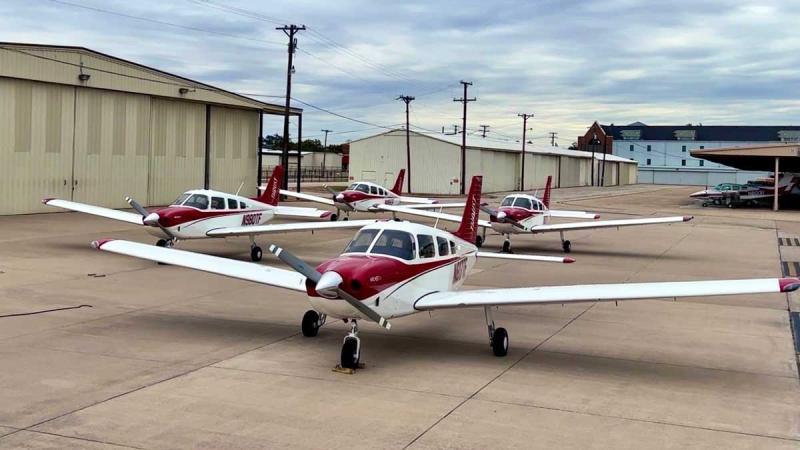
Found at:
(521, 213)
(204, 213)
(393, 269)
(366, 196)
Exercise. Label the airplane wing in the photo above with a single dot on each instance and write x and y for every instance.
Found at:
(287, 279)
(309, 197)
(573, 214)
(296, 211)
(606, 224)
(429, 214)
(555, 259)
(287, 227)
(602, 292)
(108, 213)
(435, 205)
(417, 200)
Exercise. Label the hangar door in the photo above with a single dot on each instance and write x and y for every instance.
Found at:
(35, 144)
(178, 144)
(112, 146)
(234, 133)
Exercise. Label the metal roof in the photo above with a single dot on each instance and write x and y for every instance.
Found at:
(62, 63)
(480, 143)
(745, 133)
(760, 157)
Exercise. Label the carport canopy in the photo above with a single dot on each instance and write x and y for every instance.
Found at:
(770, 158)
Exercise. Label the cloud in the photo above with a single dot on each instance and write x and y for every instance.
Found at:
(569, 62)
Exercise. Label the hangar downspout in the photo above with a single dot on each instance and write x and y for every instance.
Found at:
(775, 184)
(259, 177)
(207, 168)
(299, 147)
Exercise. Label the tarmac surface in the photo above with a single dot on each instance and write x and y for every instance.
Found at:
(166, 357)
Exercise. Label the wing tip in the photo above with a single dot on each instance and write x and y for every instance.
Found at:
(325, 214)
(596, 216)
(47, 200)
(568, 260)
(687, 218)
(789, 284)
(98, 244)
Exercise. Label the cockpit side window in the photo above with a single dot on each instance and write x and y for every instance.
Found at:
(243, 205)
(198, 201)
(362, 241)
(381, 192)
(538, 206)
(394, 243)
(452, 247)
(232, 203)
(523, 202)
(217, 203)
(363, 188)
(373, 190)
(427, 249)
(179, 201)
(508, 201)
(443, 247)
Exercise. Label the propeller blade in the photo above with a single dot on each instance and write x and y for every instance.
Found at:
(329, 189)
(135, 205)
(368, 312)
(488, 210)
(295, 263)
(500, 217)
(312, 274)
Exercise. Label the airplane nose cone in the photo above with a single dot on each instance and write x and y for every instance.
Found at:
(328, 284)
(501, 215)
(151, 219)
(339, 197)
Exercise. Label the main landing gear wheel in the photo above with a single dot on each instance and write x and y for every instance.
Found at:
(566, 246)
(506, 246)
(161, 243)
(500, 342)
(334, 217)
(255, 253)
(311, 323)
(479, 241)
(350, 353)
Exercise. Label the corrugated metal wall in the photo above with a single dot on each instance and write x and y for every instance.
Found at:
(499, 169)
(36, 123)
(573, 171)
(178, 143)
(112, 147)
(537, 168)
(233, 149)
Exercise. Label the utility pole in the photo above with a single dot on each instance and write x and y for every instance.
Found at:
(525, 118)
(464, 100)
(483, 130)
(455, 131)
(407, 99)
(290, 31)
(594, 144)
(553, 137)
(325, 147)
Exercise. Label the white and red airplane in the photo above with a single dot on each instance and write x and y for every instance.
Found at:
(393, 269)
(525, 214)
(366, 196)
(204, 213)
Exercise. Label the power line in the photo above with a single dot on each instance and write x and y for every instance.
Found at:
(161, 22)
(340, 115)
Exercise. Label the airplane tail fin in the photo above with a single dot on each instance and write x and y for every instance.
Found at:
(271, 194)
(468, 230)
(548, 187)
(398, 184)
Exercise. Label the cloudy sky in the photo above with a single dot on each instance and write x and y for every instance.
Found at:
(568, 62)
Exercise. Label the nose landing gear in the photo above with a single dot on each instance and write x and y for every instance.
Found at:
(351, 350)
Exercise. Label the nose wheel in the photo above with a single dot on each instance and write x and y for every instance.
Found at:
(507, 245)
(312, 322)
(351, 349)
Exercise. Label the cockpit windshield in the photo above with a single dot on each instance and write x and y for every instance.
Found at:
(352, 187)
(362, 241)
(507, 201)
(179, 201)
(199, 201)
(394, 243)
(363, 188)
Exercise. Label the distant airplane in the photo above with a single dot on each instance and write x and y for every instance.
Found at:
(761, 190)
(204, 213)
(366, 196)
(393, 269)
(526, 214)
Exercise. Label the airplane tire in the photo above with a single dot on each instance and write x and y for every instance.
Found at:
(506, 246)
(310, 324)
(500, 342)
(479, 241)
(346, 218)
(334, 217)
(255, 253)
(566, 246)
(350, 356)
(161, 243)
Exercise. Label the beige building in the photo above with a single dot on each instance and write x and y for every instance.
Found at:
(81, 125)
(436, 167)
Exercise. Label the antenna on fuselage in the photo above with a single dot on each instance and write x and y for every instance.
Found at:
(240, 188)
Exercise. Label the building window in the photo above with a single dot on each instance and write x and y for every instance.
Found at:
(683, 162)
(649, 148)
(631, 147)
(683, 148)
(702, 147)
(702, 163)
(648, 161)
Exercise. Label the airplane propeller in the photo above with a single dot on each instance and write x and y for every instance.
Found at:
(501, 216)
(333, 193)
(328, 284)
(148, 218)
